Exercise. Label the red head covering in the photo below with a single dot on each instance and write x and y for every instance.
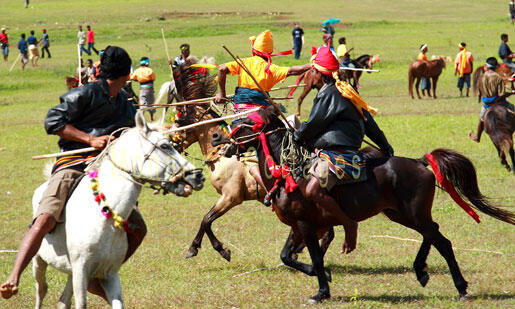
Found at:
(325, 62)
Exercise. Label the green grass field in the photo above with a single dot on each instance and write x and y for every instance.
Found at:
(379, 273)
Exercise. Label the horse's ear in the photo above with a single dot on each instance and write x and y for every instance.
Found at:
(141, 123)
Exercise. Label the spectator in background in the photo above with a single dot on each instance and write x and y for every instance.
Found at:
(33, 48)
(328, 28)
(512, 12)
(185, 52)
(298, 39)
(81, 36)
(45, 42)
(91, 41)
(505, 52)
(4, 43)
(22, 46)
(463, 65)
(425, 84)
(90, 70)
(145, 76)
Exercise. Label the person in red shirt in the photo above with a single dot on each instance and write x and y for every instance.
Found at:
(4, 42)
(91, 41)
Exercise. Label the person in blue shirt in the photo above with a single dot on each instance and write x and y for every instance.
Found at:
(505, 52)
(45, 44)
(298, 39)
(33, 48)
(22, 46)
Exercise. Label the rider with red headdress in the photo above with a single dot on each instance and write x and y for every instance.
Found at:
(339, 120)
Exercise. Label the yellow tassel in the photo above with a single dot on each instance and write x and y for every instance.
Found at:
(94, 185)
(348, 92)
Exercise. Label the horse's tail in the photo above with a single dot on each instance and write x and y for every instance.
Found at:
(456, 173)
(299, 79)
(475, 80)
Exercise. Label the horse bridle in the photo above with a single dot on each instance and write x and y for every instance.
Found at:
(140, 180)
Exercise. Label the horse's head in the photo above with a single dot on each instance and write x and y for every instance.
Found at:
(147, 154)
(245, 132)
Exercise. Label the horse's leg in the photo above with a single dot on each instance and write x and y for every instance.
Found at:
(325, 241)
(113, 289)
(435, 80)
(417, 86)
(65, 301)
(317, 258)
(39, 270)
(223, 205)
(80, 281)
(419, 265)
(512, 156)
(295, 242)
(444, 246)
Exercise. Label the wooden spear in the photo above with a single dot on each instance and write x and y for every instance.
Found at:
(214, 120)
(244, 67)
(65, 153)
(14, 63)
(357, 69)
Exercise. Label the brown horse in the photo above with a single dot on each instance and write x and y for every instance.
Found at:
(312, 81)
(428, 69)
(229, 176)
(401, 188)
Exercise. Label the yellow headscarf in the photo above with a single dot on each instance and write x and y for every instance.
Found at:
(263, 42)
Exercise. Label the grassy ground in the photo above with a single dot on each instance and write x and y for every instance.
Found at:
(378, 273)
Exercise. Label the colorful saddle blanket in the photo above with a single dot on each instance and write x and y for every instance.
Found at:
(347, 166)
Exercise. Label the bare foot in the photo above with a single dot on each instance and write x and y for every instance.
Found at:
(474, 137)
(8, 289)
(351, 235)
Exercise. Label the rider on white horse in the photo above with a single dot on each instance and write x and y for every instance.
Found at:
(85, 117)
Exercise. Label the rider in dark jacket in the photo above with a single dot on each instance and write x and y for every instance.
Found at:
(85, 118)
(336, 124)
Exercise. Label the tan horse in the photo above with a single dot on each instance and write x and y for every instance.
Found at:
(428, 69)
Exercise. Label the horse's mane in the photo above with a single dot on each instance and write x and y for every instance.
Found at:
(362, 57)
(194, 83)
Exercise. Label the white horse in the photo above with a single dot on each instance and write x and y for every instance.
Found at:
(89, 245)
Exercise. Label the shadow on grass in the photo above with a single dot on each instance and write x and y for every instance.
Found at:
(402, 299)
(361, 270)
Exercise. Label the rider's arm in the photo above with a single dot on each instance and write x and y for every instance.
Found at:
(71, 133)
(222, 75)
(376, 135)
(298, 69)
(325, 110)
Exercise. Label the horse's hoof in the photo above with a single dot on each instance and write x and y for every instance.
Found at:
(328, 275)
(192, 252)
(226, 254)
(423, 279)
(465, 297)
(318, 298)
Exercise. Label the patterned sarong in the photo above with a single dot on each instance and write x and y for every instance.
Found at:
(348, 166)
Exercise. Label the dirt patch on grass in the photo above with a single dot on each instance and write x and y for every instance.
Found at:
(177, 14)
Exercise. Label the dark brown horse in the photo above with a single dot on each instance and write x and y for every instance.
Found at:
(312, 81)
(428, 69)
(401, 188)
(500, 125)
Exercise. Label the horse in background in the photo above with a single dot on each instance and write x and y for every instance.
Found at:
(311, 80)
(499, 121)
(428, 69)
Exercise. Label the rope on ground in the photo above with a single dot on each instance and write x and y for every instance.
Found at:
(455, 248)
(8, 251)
(256, 270)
